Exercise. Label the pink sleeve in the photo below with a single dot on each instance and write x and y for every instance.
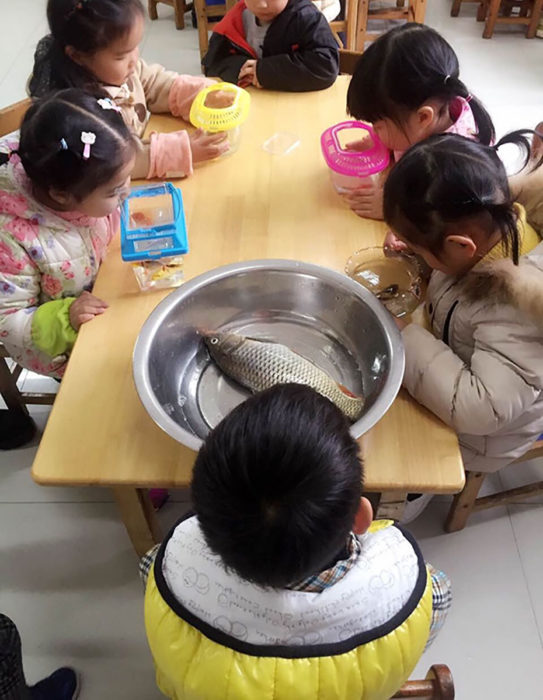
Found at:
(171, 155)
(183, 91)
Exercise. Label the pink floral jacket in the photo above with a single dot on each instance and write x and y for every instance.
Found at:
(44, 256)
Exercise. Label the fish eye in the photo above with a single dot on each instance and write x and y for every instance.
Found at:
(214, 341)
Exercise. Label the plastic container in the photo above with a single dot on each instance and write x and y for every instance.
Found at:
(351, 168)
(216, 119)
(154, 235)
(394, 278)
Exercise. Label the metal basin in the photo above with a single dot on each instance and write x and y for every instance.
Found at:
(319, 313)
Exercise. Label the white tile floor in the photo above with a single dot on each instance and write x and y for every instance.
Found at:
(68, 575)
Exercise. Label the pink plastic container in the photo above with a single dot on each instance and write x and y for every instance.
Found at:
(350, 169)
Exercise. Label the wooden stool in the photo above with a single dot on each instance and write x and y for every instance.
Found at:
(179, 6)
(466, 502)
(481, 10)
(438, 685)
(529, 15)
(414, 11)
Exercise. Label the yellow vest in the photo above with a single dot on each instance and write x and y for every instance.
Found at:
(195, 661)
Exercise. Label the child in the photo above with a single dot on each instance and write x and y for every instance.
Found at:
(60, 188)
(268, 591)
(274, 44)
(94, 45)
(407, 85)
(63, 684)
(480, 368)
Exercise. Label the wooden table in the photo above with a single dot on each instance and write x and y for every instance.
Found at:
(249, 205)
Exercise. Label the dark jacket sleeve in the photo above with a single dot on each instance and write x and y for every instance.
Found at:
(220, 62)
(313, 66)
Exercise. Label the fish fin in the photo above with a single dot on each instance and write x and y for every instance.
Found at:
(348, 393)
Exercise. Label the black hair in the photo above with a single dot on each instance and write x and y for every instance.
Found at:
(402, 69)
(277, 484)
(87, 26)
(51, 147)
(447, 179)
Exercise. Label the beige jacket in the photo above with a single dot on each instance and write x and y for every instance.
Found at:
(153, 89)
(481, 368)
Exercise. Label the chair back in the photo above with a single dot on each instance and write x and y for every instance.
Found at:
(12, 116)
(347, 26)
(204, 11)
(438, 685)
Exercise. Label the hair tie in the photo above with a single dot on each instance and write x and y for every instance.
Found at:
(63, 145)
(469, 97)
(447, 78)
(89, 139)
(107, 103)
(78, 6)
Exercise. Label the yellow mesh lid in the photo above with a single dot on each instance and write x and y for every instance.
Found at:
(215, 119)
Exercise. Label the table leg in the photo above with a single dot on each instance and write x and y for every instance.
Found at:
(391, 505)
(138, 517)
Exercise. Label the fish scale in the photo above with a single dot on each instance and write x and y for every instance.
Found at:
(259, 365)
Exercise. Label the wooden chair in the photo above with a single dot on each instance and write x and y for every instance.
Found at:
(466, 502)
(528, 15)
(438, 685)
(414, 11)
(481, 10)
(348, 61)
(349, 25)
(179, 6)
(10, 120)
(494, 12)
(203, 13)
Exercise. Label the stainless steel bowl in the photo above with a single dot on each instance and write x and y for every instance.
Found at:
(322, 314)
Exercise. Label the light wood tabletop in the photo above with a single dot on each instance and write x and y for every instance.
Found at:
(248, 205)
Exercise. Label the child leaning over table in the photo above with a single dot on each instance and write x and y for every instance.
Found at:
(94, 44)
(274, 44)
(61, 181)
(281, 585)
(480, 366)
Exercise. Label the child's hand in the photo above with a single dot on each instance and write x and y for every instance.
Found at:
(247, 74)
(85, 308)
(366, 201)
(206, 146)
(401, 323)
(393, 243)
(218, 99)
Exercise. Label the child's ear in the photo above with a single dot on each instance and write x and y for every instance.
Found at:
(460, 247)
(363, 517)
(426, 116)
(60, 197)
(75, 56)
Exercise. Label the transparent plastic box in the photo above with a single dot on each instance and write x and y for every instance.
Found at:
(154, 235)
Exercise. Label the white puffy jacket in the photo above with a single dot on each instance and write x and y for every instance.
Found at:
(481, 368)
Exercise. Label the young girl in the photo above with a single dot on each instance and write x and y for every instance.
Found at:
(407, 85)
(94, 45)
(480, 368)
(60, 187)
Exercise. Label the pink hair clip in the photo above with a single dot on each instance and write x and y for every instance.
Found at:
(89, 139)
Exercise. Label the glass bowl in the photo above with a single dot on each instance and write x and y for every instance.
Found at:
(395, 278)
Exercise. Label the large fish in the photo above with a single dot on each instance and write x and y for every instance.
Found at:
(260, 364)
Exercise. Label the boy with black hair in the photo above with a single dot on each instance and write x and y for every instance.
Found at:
(274, 44)
(281, 586)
